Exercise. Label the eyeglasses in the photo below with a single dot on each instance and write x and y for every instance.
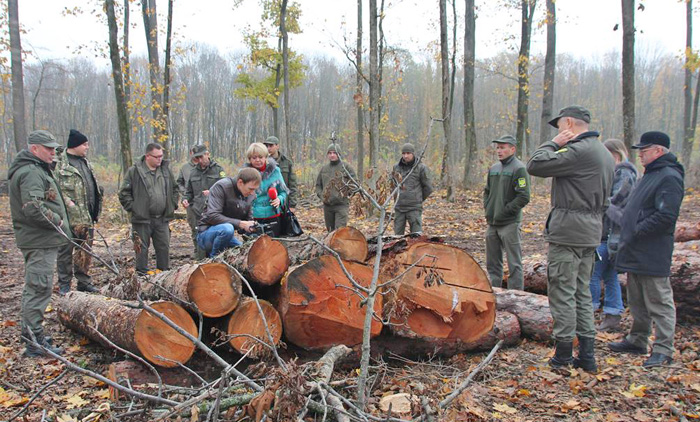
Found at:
(269, 145)
(647, 149)
(157, 157)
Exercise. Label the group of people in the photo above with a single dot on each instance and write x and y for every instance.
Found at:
(603, 222)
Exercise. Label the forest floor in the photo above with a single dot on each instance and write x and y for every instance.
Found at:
(516, 386)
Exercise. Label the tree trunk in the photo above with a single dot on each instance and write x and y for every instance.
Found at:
(19, 123)
(166, 83)
(125, 59)
(687, 232)
(373, 88)
(688, 132)
(150, 26)
(532, 311)
(535, 275)
(349, 242)
(318, 307)
(549, 69)
(245, 322)
(262, 260)
(135, 330)
(469, 61)
(285, 68)
(446, 175)
(119, 93)
(521, 128)
(445, 297)
(359, 99)
(685, 282)
(628, 75)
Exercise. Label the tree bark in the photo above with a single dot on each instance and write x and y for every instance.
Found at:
(687, 232)
(285, 69)
(689, 131)
(521, 128)
(261, 260)
(245, 322)
(532, 311)
(359, 99)
(628, 74)
(373, 88)
(319, 307)
(535, 275)
(128, 327)
(469, 112)
(549, 72)
(348, 242)
(19, 123)
(150, 26)
(446, 175)
(166, 83)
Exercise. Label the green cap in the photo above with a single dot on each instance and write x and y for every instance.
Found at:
(575, 111)
(199, 150)
(506, 139)
(407, 147)
(43, 137)
(334, 148)
(272, 140)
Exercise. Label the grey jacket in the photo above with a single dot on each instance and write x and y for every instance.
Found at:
(582, 175)
(416, 187)
(226, 204)
(137, 189)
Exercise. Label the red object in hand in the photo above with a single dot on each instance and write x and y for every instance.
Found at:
(272, 193)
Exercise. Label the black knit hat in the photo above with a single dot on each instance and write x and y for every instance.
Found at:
(75, 139)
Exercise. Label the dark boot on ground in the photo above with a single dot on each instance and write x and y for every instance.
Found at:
(586, 355)
(563, 355)
(87, 287)
(625, 346)
(610, 323)
(63, 288)
(33, 351)
(657, 359)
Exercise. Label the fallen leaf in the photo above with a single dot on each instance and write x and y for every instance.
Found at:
(75, 401)
(504, 408)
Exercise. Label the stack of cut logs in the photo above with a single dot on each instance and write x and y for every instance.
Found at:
(434, 298)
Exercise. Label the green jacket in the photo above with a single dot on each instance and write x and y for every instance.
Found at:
(507, 192)
(199, 181)
(36, 203)
(326, 183)
(415, 189)
(582, 176)
(137, 189)
(72, 185)
(290, 179)
(184, 176)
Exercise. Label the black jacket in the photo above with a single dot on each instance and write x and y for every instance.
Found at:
(226, 204)
(649, 220)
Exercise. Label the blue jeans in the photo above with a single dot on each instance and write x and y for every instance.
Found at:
(605, 270)
(217, 238)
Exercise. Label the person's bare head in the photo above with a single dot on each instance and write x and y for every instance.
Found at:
(154, 155)
(248, 181)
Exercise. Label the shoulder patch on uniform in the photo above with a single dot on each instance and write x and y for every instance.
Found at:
(562, 150)
(222, 174)
(522, 182)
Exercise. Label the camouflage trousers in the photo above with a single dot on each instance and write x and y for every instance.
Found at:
(36, 294)
(73, 261)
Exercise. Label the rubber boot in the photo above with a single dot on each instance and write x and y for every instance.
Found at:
(586, 355)
(563, 355)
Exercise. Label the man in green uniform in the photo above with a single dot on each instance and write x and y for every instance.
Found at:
(83, 198)
(582, 173)
(415, 188)
(507, 192)
(202, 177)
(150, 194)
(328, 183)
(182, 179)
(41, 227)
(286, 167)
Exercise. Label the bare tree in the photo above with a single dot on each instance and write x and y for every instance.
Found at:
(689, 119)
(549, 68)
(359, 82)
(285, 66)
(125, 58)
(19, 122)
(150, 25)
(527, 8)
(469, 61)
(373, 88)
(628, 73)
(447, 175)
(167, 80)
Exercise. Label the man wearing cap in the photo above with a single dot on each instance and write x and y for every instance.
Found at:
(581, 169)
(83, 198)
(182, 179)
(328, 183)
(415, 188)
(150, 194)
(646, 247)
(202, 178)
(286, 167)
(41, 227)
(507, 192)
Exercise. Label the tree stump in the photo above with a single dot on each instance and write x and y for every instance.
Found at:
(445, 297)
(318, 307)
(348, 242)
(245, 322)
(135, 330)
(532, 311)
(261, 260)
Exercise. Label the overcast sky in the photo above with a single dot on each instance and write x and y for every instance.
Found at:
(585, 28)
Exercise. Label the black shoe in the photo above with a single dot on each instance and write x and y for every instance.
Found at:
(625, 346)
(88, 288)
(33, 351)
(63, 289)
(586, 355)
(563, 355)
(657, 359)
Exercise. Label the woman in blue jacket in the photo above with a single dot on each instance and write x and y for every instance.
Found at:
(271, 196)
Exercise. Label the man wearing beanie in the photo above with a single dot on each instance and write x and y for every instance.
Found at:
(646, 247)
(83, 198)
(507, 192)
(286, 167)
(582, 170)
(415, 188)
(328, 183)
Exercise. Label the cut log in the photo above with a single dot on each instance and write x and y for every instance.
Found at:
(133, 373)
(261, 260)
(245, 322)
(318, 307)
(535, 275)
(349, 242)
(135, 330)
(687, 232)
(685, 281)
(532, 311)
(446, 296)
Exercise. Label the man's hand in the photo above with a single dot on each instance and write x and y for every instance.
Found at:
(205, 192)
(185, 203)
(292, 209)
(563, 138)
(275, 202)
(71, 204)
(246, 225)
